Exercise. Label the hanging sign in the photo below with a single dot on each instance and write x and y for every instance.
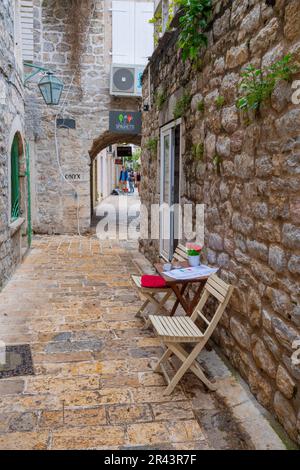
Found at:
(118, 161)
(125, 122)
(124, 151)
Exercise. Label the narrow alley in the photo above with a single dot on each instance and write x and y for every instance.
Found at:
(80, 376)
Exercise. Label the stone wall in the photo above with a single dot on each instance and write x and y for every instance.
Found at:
(11, 122)
(252, 211)
(73, 38)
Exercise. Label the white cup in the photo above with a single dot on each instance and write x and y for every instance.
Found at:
(167, 267)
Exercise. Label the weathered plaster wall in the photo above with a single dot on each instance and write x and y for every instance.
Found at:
(70, 37)
(11, 121)
(252, 216)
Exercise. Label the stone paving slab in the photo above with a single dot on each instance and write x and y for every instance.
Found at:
(93, 387)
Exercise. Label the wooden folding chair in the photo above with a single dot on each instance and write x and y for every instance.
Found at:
(151, 293)
(175, 331)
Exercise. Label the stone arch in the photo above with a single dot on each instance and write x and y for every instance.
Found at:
(110, 138)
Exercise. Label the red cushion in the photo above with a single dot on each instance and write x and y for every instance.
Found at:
(152, 281)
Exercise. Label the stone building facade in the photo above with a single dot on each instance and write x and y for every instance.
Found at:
(74, 38)
(13, 239)
(248, 178)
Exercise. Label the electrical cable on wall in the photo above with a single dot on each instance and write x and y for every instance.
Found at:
(60, 113)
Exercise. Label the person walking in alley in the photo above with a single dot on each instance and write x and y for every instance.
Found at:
(123, 179)
(131, 180)
(138, 181)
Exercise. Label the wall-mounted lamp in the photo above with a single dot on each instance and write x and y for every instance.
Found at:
(50, 86)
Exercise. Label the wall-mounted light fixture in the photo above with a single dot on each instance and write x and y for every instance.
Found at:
(50, 86)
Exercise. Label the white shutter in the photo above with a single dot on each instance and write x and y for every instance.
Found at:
(27, 29)
(122, 32)
(143, 41)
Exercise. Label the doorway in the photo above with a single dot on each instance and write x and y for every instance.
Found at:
(170, 142)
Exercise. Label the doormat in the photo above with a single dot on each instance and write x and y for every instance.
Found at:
(18, 361)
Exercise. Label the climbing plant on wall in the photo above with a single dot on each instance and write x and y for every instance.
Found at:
(257, 85)
(192, 24)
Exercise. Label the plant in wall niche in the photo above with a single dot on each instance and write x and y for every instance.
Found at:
(200, 106)
(182, 105)
(160, 99)
(197, 64)
(220, 101)
(151, 145)
(258, 85)
(192, 23)
(217, 162)
(198, 151)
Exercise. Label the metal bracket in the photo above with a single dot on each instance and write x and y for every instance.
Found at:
(37, 70)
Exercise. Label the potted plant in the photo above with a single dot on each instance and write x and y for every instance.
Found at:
(193, 252)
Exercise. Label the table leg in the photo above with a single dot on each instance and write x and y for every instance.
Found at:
(196, 298)
(180, 299)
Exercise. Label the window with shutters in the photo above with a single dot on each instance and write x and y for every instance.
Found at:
(17, 34)
(26, 17)
(132, 34)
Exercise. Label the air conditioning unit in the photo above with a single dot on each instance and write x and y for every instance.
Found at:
(126, 80)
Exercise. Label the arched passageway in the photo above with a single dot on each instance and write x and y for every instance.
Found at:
(100, 146)
(110, 138)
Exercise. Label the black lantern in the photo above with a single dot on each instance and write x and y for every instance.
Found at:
(51, 88)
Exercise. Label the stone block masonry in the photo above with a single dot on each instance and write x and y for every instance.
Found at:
(253, 203)
(73, 38)
(11, 123)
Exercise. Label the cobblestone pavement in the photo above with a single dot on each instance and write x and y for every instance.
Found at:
(93, 387)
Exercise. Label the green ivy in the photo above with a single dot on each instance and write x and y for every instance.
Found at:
(198, 151)
(258, 85)
(192, 23)
(182, 105)
(151, 145)
(157, 22)
(200, 106)
(220, 101)
(217, 162)
(160, 99)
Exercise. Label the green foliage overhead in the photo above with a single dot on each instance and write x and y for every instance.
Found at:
(258, 85)
(192, 23)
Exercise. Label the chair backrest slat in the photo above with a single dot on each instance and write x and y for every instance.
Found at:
(214, 292)
(222, 292)
(178, 257)
(217, 287)
(180, 253)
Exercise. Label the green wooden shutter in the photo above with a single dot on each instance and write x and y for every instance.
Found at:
(15, 193)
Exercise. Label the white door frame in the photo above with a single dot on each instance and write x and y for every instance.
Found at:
(167, 130)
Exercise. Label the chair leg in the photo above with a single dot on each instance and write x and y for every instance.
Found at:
(159, 307)
(187, 362)
(195, 368)
(159, 304)
(139, 313)
(163, 358)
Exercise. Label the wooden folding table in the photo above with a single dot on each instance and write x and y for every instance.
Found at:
(180, 287)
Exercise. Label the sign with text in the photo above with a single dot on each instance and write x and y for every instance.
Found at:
(124, 151)
(125, 122)
(118, 161)
(73, 176)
